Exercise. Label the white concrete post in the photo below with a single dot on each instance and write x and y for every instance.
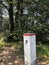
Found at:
(29, 48)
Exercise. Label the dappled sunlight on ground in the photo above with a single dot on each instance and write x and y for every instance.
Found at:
(11, 56)
(42, 54)
(42, 61)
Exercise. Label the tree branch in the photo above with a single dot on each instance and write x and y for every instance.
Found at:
(4, 5)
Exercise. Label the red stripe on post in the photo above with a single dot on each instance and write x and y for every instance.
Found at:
(29, 34)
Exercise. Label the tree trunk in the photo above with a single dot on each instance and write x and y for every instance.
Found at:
(11, 16)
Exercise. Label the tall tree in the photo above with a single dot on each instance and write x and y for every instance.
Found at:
(0, 15)
(10, 11)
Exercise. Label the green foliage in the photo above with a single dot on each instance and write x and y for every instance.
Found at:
(38, 10)
(42, 32)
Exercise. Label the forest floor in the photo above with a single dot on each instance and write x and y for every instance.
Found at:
(13, 53)
(9, 55)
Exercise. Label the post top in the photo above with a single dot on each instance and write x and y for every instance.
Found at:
(29, 34)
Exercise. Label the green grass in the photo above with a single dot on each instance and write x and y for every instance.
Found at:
(42, 50)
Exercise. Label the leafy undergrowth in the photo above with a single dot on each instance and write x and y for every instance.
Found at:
(6, 44)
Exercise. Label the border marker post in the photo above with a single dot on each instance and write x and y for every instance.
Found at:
(29, 48)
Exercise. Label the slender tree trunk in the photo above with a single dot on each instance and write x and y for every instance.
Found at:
(11, 16)
(0, 18)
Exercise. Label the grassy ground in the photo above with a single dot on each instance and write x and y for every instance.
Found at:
(42, 50)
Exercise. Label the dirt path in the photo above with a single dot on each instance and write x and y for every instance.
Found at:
(11, 56)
